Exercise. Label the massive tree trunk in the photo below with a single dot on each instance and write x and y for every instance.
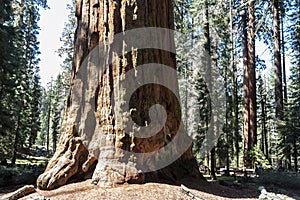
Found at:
(246, 81)
(76, 157)
(250, 116)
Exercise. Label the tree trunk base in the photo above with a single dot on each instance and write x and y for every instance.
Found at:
(65, 166)
(74, 164)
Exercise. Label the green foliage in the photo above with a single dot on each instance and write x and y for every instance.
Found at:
(289, 127)
(58, 107)
(211, 30)
(54, 97)
(265, 115)
(7, 66)
(25, 105)
(19, 78)
(15, 171)
(67, 49)
(257, 157)
(41, 139)
(192, 87)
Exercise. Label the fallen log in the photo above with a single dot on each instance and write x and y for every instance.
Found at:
(22, 192)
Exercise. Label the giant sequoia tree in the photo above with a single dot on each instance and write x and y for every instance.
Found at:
(98, 21)
(248, 43)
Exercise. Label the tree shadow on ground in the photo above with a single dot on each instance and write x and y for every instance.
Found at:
(216, 189)
(157, 190)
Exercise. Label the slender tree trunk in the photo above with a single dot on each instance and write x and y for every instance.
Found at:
(213, 164)
(98, 22)
(267, 137)
(252, 78)
(49, 116)
(207, 47)
(20, 26)
(215, 122)
(226, 122)
(263, 124)
(208, 162)
(237, 135)
(277, 61)
(295, 151)
(283, 58)
(236, 122)
(264, 128)
(235, 110)
(18, 125)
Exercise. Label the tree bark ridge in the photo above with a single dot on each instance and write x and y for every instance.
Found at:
(81, 149)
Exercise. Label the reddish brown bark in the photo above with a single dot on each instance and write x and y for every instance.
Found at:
(99, 21)
(252, 78)
(246, 81)
(250, 106)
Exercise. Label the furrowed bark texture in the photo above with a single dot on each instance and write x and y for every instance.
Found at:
(246, 82)
(250, 105)
(252, 137)
(99, 21)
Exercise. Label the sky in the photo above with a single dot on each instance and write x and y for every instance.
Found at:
(51, 24)
(265, 54)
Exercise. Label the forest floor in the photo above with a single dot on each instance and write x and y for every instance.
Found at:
(226, 187)
(197, 189)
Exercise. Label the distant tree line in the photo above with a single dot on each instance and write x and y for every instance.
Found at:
(262, 104)
(30, 114)
(20, 88)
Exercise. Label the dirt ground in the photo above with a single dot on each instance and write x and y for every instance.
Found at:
(198, 189)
